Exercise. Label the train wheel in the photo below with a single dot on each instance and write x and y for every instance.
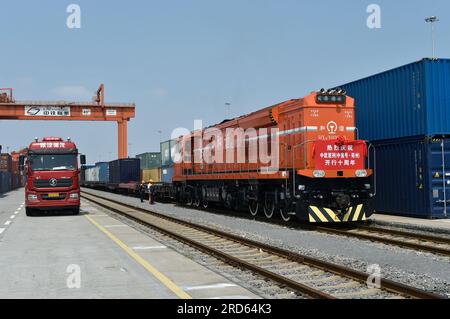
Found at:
(197, 202)
(205, 204)
(284, 214)
(253, 207)
(269, 209)
(189, 201)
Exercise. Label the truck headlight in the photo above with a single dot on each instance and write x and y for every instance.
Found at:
(361, 173)
(319, 174)
(74, 196)
(32, 197)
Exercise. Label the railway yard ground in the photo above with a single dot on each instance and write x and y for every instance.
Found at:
(117, 256)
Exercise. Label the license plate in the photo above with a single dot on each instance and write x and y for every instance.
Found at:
(53, 195)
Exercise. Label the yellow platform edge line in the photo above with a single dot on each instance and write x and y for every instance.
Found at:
(162, 278)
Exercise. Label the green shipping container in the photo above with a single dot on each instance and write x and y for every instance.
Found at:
(150, 160)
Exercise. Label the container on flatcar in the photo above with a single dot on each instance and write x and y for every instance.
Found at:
(124, 171)
(413, 177)
(5, 182)
(168, 153)
(153, 174)
(102, 171)
(150, 160)
(167, 174)
(410, 100)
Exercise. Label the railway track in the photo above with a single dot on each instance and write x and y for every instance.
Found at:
(305, 275)
(406, 239)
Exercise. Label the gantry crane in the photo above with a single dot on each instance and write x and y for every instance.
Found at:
(97, 110)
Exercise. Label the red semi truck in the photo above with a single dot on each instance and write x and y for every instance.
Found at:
(52, 171)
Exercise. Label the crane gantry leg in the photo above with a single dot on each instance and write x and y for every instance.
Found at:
(122, 138)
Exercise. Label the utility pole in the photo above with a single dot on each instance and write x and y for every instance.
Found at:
(228, 108)
(432, 20)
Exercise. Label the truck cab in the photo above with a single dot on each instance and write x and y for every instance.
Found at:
(52, 170)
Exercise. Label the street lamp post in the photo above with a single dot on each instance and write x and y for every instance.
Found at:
(432, 20)
(228, 107)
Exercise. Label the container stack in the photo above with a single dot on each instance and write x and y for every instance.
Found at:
(168, 150)
(405, 114)
(150, 166)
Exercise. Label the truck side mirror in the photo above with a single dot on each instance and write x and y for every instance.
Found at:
(21, 162)
(83, 159)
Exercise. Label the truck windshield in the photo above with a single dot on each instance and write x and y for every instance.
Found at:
(53, 162)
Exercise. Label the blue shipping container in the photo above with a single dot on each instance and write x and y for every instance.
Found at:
(411, 100)
(103, 171)
(125, 171)
(167, 174)
(413, 177)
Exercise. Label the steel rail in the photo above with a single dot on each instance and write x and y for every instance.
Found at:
(392, 241)
(388, 285)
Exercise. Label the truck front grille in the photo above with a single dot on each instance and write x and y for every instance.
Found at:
(60, 182)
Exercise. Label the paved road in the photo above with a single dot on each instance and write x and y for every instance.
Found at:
(89, 256)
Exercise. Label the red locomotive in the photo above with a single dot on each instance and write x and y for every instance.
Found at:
(298, 158)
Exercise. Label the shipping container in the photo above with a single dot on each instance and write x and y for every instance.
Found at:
(151, 174)
(5, 182)
(412, 100)
(413, 177)
(124, 171)
(168, 149)
(91, 174)
(5, 162)
(167, 173)
(102, 171)
(150, 160)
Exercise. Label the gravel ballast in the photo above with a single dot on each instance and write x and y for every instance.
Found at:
(422, 270)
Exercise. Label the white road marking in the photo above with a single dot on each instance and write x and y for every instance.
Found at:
(148, 247)
(2, 230)
(215, 286)
(13, 216)
(114, 226)
(16, 212)
(7, 222)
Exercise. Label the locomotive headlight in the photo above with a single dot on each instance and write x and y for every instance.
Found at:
(301, 187)
(319, 174)
(367, 186)
(361, 173)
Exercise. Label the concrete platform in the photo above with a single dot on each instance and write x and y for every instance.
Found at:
(434, 225)
(95, 256)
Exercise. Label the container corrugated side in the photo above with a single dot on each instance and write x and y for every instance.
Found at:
(103, 171)
(150, 160)
(167, 173)
(5, 182)
(168, 149)
(153, 174)
(410, 100)
(413, 177)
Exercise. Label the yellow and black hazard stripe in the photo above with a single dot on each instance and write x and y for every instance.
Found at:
(327, 215)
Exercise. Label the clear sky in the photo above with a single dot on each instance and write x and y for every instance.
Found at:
(181, 60)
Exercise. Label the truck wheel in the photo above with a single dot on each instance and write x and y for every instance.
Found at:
(29, 212)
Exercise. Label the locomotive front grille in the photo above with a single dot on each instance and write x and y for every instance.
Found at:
(50, 183)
